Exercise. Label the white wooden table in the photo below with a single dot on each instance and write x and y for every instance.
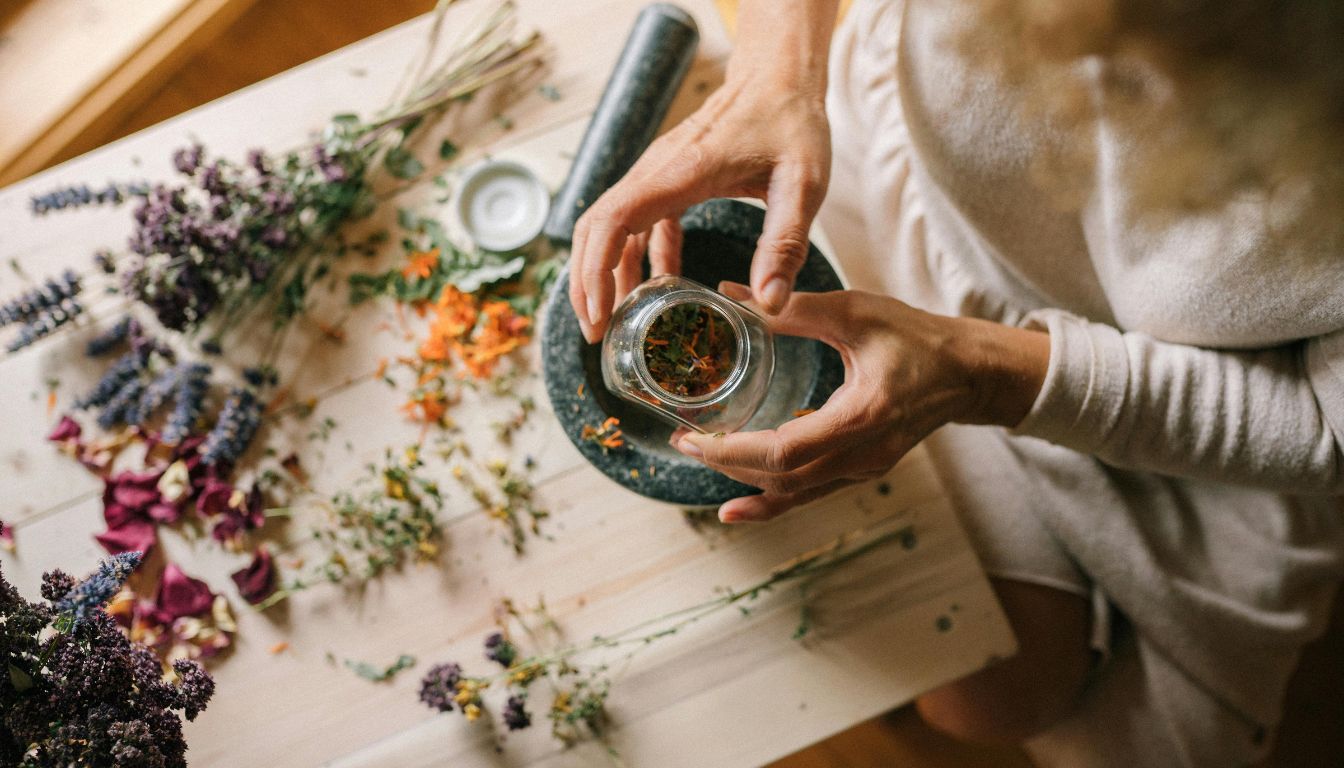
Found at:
(732, 691)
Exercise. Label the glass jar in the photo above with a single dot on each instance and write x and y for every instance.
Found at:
(688, 354)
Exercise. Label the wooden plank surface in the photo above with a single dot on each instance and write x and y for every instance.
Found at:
(733, 692)
(72, 67)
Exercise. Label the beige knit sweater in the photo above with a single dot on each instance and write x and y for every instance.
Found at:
(1207, 345)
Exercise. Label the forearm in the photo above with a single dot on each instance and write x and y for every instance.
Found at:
(787, 40)
(1245, 417)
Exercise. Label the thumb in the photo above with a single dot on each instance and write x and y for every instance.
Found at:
(820, 316)
(781, 251)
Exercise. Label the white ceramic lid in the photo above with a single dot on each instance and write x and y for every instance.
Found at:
(502, 205)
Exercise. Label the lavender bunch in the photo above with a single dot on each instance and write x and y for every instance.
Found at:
(43, 309)
(83, 195)
(89, 596)
(192, 386)
(234, 429)
(84, 694)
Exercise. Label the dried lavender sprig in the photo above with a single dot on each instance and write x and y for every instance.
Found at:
(46, 323)
(127, 367)
(233, 431)
(31, 303)
(193, 383)
(122, 405)
(93, 593)
(155, 395)
(111, 338)
(83, 195)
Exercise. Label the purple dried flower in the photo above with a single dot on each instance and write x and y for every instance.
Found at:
(89, 596)
(439, 686)
(111, 338)
(499, 649)
(155, 395)
(126, 368)
(233, 431)
(102, 259)
(259, 162)
(32, 303)
(193, 383)
(187, 159)
(122, 406)
(46, 323)
(56, 584)
(83, 195)
(195, 687)
(515, 716)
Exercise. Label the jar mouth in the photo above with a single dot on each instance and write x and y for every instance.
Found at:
(677, 298)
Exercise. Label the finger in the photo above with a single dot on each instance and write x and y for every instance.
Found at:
(578, 295)
(821, 316)
(665, 248)
(792, 203)
(853, 465)
(660, 186)
(767, 506)
(629, 272)
(794, 444)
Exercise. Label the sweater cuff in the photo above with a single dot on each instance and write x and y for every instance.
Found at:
(1085, 384)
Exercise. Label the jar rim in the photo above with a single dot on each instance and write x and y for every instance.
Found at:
(714, 303)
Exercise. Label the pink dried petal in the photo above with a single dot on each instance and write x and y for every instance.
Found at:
(226, 530)
(134, 497)
(180, 595)
(165, 513)
(66, 429)
(255, 508)
(116, 515)
(214, 498)
(256, 582)
(132, 535)
(7, 537)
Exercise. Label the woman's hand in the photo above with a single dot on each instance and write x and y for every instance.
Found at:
(763, 134)
(907, 372)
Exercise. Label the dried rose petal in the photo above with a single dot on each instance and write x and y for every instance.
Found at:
(214, 498)
(180, 595)
(227, 530)
(137, 490)
(116, 515)
(133, 534)
(66, 429)
(256, 582)
(7, 536)
(165, 513)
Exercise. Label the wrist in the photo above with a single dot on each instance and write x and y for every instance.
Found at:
(785, 43)
(1005, 368)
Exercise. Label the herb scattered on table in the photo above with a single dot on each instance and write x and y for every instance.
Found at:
(606, 435)
(577, 675)
(380, 674)
(689, 350)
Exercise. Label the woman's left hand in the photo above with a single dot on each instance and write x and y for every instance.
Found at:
(907, 372)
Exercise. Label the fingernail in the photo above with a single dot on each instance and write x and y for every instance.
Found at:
(729, 516)
(686, 446)
(775, 294)
(734, 290)
(592, 309)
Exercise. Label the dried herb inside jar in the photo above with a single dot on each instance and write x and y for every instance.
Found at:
(689, 350)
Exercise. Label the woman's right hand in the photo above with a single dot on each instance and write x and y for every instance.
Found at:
(763, 134)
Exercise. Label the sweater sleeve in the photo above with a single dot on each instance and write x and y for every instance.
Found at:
(1270, 418)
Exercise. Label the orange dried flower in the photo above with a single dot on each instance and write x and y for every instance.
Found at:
(422, 265)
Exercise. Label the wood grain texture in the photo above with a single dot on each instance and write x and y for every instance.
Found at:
(609, 558)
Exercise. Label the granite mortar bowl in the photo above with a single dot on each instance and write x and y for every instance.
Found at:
(720, 238)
